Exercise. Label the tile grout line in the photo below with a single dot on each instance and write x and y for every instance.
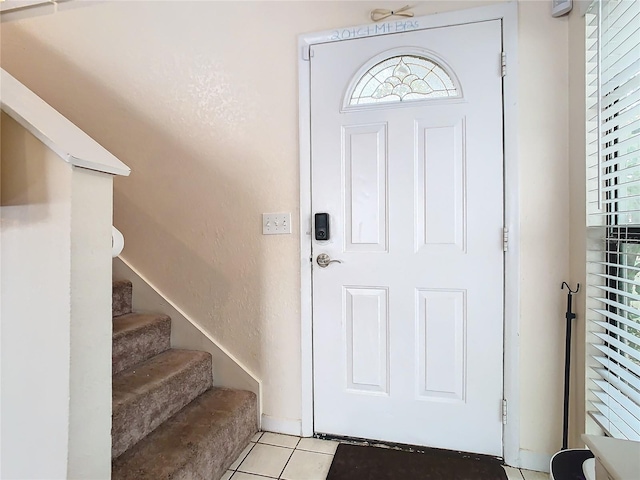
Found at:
(235, 470)
(289, 459)
(313, 451)
(254, 474)
(245, 457)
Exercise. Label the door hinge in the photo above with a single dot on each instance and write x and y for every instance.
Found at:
(307, 53)
(505, 239)
(503, 63)
(504, 411)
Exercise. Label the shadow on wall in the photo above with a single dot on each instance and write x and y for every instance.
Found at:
(21, 183)
(184, 220)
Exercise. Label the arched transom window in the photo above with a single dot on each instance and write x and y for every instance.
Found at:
(401, 78)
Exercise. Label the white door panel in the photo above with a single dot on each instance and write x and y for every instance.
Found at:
(407, 330)
(365, 187)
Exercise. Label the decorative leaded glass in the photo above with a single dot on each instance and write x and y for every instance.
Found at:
(401, 78)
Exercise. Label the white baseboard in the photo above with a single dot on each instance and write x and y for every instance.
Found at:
(281, 425)
(538, 462)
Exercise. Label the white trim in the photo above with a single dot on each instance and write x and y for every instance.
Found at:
(508, 13)
(14, 10)
(511, 432)
(306, 305)
(17, 4)
(538, 462)
(281, 425)
(54, 130)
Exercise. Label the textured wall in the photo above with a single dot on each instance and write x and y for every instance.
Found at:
(544, 220)
(200, 100)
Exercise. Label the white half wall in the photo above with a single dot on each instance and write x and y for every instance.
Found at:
(35, 284)
(55, 313)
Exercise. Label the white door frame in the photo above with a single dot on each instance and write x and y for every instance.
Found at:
(508, 14)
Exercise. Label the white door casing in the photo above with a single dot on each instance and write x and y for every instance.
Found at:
(407, 331)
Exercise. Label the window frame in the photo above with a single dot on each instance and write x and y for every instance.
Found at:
(398, 52)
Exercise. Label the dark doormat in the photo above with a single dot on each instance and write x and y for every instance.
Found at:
(356, 462)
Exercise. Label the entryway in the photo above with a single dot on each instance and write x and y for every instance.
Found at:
(407, 165)
(275, 456)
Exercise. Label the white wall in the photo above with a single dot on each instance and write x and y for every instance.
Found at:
(544, 243)
(55, 313)
(200, 99)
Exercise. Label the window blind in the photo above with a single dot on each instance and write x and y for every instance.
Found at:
(613, 215)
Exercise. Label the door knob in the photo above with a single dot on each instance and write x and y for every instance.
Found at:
(324, 260)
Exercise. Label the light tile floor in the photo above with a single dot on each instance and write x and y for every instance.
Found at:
(271, 455)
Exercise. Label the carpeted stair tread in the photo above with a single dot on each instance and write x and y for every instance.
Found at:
(121, 298)
(199, 443)
(148, 393)
(138, 337)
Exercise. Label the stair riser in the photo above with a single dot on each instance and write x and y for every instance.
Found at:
(136, 418)
(217, 452)
(121, 298)
(136, 347)
(199, 443)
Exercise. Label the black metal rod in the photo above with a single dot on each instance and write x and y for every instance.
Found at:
(567, 364)
(567, 372)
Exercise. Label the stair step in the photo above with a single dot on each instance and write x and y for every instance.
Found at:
(138, 337)
(199, 443)
(147, 394)
(121, 297)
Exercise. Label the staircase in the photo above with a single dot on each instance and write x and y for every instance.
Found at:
(168, 420)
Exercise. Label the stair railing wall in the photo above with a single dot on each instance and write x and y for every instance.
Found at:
(55, 284)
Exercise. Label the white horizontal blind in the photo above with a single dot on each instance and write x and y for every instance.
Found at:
(613, 108)
(594, 181)
(613, 212)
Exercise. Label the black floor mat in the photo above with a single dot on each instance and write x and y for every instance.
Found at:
(355, 462)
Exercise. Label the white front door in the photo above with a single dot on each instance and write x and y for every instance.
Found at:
(408, 328)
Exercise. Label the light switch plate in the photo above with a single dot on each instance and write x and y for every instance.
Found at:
(276, 223)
